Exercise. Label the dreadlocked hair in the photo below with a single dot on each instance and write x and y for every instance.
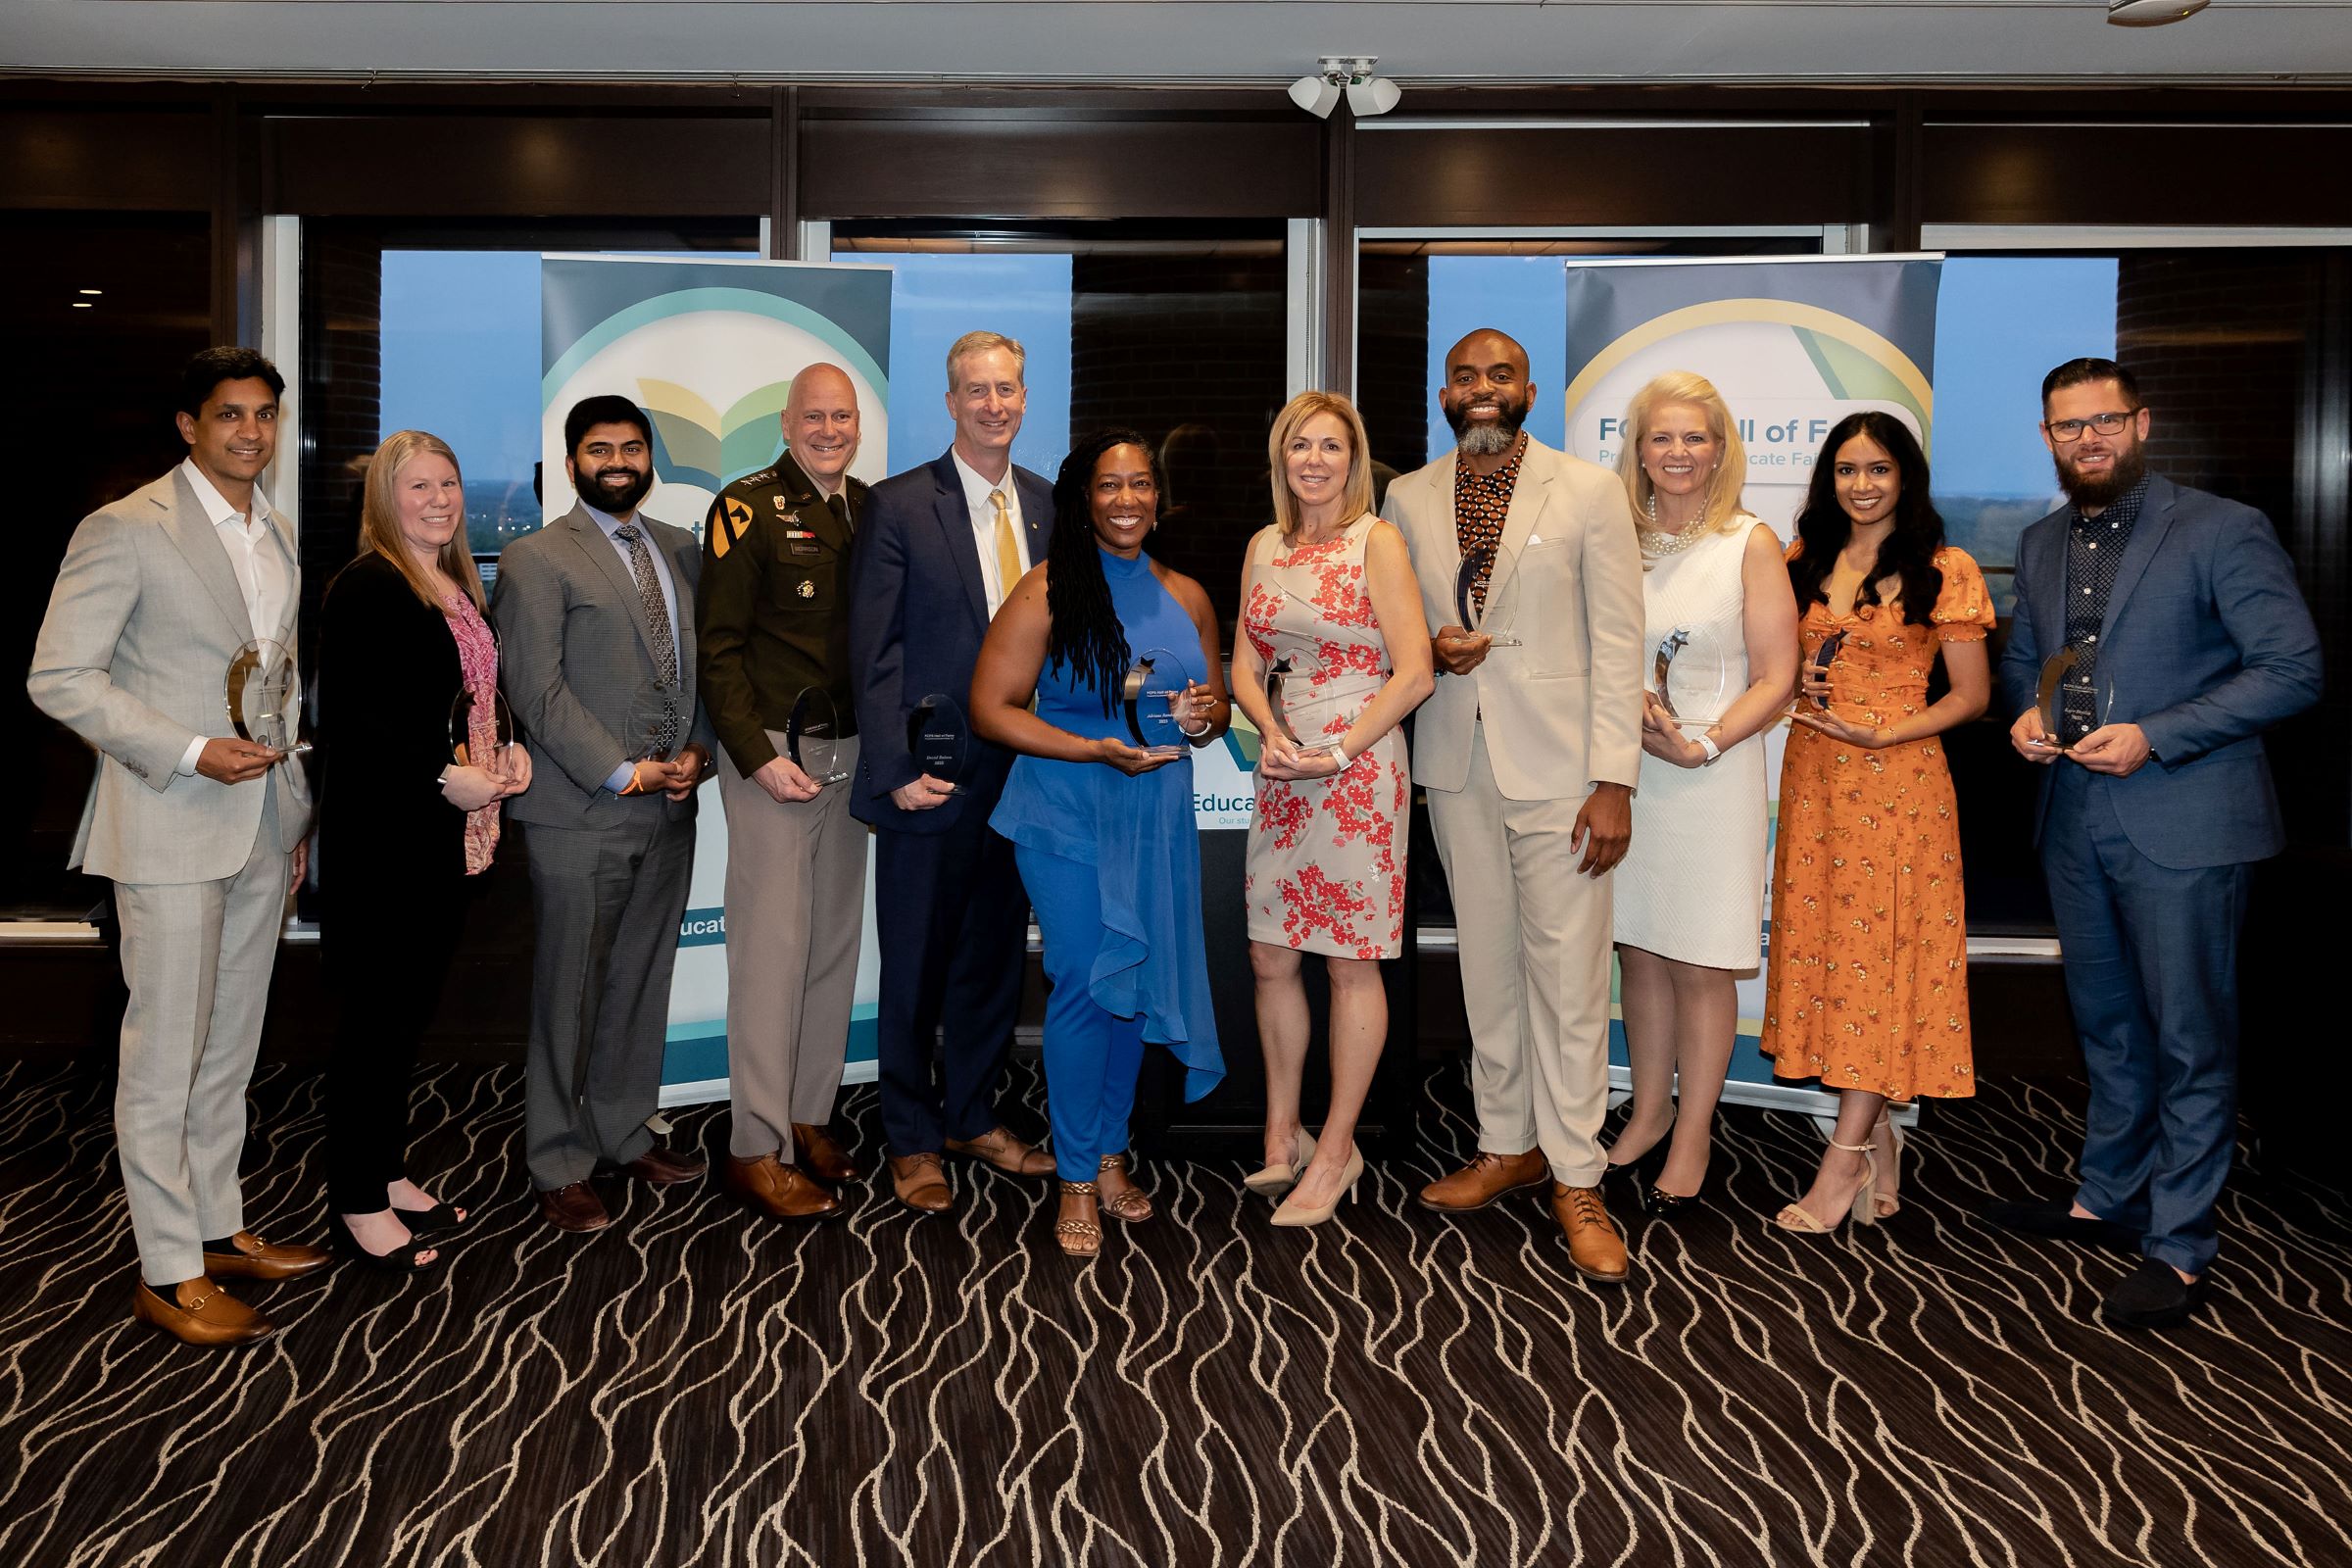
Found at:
(1084, 636)
(1908, 553)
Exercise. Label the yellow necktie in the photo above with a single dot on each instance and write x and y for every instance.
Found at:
(1009, 550)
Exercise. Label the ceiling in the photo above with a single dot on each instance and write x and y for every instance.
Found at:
(1226, 42)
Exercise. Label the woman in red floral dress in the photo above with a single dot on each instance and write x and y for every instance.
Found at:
(1329, 604)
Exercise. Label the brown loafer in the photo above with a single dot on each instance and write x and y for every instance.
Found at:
(573, 1207)
(659, 1167)
(780, 1190)
(920, 1183)
(998, 1148)
(1484, 1180)
(249, 1257)
(815, 1151)
(1595, 1249)
(199, 1313)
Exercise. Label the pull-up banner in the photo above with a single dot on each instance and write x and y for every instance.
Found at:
(1795, 344)
(708, 350)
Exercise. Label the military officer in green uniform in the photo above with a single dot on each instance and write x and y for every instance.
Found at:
(774, 626)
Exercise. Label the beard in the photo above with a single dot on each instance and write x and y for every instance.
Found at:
(614, 503)
(1488, 439)
(2129, 468)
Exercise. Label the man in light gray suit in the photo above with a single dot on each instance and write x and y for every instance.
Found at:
(595, 617)
(198, 831)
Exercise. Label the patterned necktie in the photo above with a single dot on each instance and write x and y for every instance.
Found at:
(1008, 552)
(649, 601)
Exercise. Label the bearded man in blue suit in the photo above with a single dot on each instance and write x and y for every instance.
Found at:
(2188, 639)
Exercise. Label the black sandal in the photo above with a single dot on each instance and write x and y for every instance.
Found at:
(400, 1260)
(439, 1217)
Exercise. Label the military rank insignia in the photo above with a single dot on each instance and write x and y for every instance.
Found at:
(807, 589)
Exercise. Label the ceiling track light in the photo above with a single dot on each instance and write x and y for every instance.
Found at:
(1319, 92)
(2151, 13)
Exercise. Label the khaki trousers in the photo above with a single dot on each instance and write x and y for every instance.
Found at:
(1534, 951)
(796, 910)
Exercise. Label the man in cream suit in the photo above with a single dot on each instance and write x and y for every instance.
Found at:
(1529, 753)
(198, 830)
(595, 617)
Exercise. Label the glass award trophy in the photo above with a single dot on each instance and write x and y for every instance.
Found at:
(1488, 612)
(264, 697)
(1153, 686)
(1823, 657)
(1292, 704)
(941, 739)
(479, 737)
(2073, 700)
(1690, 672)
(813, 736)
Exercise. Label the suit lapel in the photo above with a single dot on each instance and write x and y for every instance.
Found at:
(604, 557)
(193, 533)
(955, 527)
(287, 622)
(2154, 521)
(1037, 502)
(685, 559)
(1528, 496)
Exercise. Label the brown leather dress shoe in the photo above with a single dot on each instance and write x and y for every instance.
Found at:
(573, 1207)
(249, 1257)
(1595, 1249)
(998, 1148)
(1484, 1180)
(920, 1183)
(780, 1190)
(199, 1313)
(815, 1151)
(660, 1167)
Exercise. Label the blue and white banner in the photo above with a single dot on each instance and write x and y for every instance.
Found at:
(708, 350)
(1795, 344)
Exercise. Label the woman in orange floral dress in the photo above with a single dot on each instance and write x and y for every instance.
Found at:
(1867, 988)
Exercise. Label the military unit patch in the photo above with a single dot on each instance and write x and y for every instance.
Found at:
(734, 517)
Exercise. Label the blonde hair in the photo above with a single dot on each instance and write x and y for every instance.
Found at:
(1724, 485)
(980, 343)
(1287, 424)
(379, 519)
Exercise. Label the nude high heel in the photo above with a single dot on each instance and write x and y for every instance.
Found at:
(1289, 1212)
(1795, 1217)
(1885, 1202)
(1275, 1180)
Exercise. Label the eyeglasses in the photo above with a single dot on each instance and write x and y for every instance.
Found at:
(2064, 431)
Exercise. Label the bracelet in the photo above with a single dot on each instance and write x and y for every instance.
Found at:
(1706, 743)
(1339, 755)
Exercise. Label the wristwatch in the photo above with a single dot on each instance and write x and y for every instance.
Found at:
(1706, 743)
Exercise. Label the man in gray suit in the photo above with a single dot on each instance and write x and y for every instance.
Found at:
(198, 831)
(595, 617)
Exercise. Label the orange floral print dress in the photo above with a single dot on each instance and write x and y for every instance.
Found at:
(1867, 983)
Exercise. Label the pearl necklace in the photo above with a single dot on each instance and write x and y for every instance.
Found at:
(1657, 543)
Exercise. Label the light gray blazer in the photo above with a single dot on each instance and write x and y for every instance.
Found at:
(577, 663)
(133, 657)
(1562, 711)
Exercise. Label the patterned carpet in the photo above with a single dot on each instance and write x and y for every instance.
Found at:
(690, 1386)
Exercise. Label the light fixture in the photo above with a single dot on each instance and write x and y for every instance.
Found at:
(2151, 13)
(89, 291)
(83, 305)
(1318, 92)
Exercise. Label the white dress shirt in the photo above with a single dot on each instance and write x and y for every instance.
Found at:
(255, 557)
(983, 526)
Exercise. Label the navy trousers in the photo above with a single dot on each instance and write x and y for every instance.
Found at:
(2151, 974)
(953, 926)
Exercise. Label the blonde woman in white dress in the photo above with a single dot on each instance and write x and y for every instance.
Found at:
(1690, 897)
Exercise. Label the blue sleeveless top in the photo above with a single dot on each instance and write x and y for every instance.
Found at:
(1153, 962)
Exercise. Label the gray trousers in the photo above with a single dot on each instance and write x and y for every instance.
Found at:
(609, 902)
(796, 910)
(196, 957)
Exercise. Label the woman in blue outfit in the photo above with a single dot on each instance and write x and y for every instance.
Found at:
(1102, 826)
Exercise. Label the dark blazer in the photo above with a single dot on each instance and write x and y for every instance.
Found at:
(918, 608)
(388, 672)
(2208, 643)
(577, 666)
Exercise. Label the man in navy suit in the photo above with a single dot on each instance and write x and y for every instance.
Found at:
(2189, 639)
(938, 549)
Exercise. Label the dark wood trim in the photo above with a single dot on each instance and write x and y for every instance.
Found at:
(2134, 174)
(1339, 207)
(784, 176)
(1895, 178)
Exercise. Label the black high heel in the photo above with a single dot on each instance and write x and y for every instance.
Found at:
(400, 1260)
(439, 1217)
